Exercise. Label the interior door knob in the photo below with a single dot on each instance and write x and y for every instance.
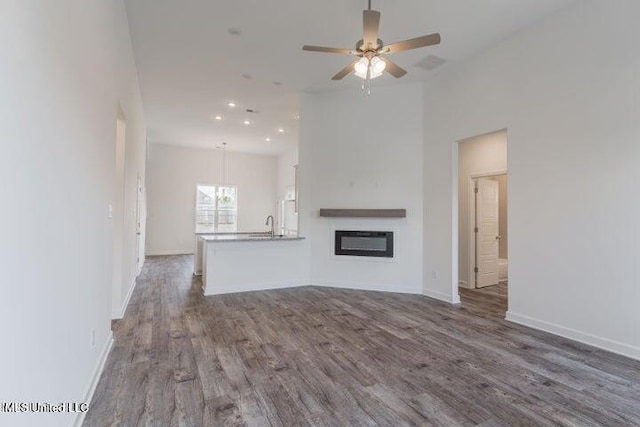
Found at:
(498, 237)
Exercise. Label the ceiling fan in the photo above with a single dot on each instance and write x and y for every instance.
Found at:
(370, 62)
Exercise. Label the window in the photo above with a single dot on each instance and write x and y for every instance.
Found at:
(216, 208)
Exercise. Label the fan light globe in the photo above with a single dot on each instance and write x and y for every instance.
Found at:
(377, 65)
(361, 66)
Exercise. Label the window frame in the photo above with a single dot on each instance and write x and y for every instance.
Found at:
(215, 227)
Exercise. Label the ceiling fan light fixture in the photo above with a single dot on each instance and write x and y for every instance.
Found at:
(368, 65)
(363, 64)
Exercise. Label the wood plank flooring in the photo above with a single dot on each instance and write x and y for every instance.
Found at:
(332, 357)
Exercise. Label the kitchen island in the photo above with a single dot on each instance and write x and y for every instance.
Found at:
(251, 262)
(198, 258)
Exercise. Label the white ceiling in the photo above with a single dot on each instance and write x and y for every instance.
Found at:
(190, 66)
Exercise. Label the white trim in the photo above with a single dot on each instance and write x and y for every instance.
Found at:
(471, 233)
(95, 377)
(360, 286)
(441, 296)
(170, 252)
(455, 227)
(120, 313)
(583, 337)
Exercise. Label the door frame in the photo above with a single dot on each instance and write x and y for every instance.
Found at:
(118, 216)
(471, 241)
(140, 214)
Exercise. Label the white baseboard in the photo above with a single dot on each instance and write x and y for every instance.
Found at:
(171, 252)
(451, 299)
(95, 377)
(583, 337)
(365, 286)
(119, 314)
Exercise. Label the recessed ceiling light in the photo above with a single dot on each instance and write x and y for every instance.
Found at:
(281, 130)
(218, 117)
(231, 104)
(277, 83)
(247, 122)
(234, 31)
(297, 117)
(247, 76)
(268, 139)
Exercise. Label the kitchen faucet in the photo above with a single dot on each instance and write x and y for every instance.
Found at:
(272, 225)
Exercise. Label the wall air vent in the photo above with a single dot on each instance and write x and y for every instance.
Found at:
(431, 62)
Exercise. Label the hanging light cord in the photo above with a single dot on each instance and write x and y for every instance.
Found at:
(224, 164)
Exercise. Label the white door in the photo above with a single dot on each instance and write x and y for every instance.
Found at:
(487, 238)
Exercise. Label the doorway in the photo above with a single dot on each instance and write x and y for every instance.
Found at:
(118, 213)
(483, 220)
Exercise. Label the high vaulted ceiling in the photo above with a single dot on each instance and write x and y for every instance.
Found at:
(195, 56)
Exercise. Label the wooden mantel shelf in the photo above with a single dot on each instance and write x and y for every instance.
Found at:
(364, 213)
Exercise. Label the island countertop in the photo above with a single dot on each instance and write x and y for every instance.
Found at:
(248, 237)
(226, 233)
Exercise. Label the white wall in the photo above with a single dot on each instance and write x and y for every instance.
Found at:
(359, 151)
(480, 155)
(286, 171)
(174, 172)
(567, 91)
(287, 218)
(135, 157)
(64, 66)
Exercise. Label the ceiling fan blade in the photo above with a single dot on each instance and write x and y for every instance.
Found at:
(328, 50)
(392, 68)
(346, 70)
(371, 24)
(430, 40)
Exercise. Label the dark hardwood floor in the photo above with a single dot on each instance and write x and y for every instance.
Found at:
(332, 357)
(486, 302)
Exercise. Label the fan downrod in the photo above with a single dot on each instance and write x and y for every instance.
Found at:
(361, 43)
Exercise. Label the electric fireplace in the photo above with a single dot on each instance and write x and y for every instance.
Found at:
(364, 243)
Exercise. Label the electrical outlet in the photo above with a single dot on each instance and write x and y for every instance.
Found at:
(110, 212)
(434, 274)
(93, 338)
